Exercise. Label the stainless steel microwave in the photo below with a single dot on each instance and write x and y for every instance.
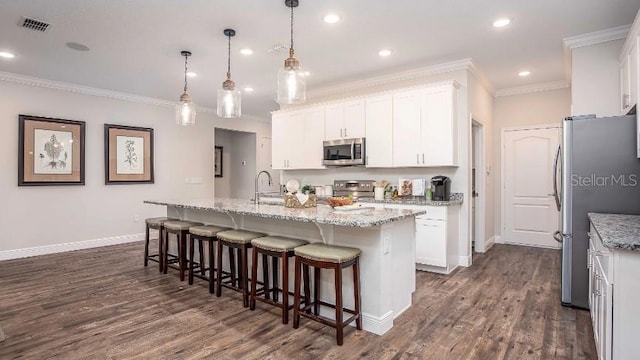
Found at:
(344, 152)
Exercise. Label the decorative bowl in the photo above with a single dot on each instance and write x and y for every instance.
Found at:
(339, 201)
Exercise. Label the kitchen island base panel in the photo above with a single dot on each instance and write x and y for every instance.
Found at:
(387, 261)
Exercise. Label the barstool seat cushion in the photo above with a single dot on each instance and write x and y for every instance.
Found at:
(327, 253)
(206, 230)
(239, 236)
(157, 221)
(176, 225)
(277, 243)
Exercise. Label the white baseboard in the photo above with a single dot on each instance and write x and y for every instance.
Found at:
(464, 261)
(555, 247)
(370, 323)
(70, 246)
(498, 239)
(489, 243)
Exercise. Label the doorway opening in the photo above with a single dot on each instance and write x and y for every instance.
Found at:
(235, 163)
(478, 187)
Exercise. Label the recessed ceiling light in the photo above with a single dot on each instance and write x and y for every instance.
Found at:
(306, 73)
(384, 52)
(6, 55)
(248, 89)
(246, 51)
(332, 18)
(191, 74)
(502, 22)
(524, 73)
(77, 46)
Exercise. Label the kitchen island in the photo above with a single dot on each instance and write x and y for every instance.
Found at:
(386, 238)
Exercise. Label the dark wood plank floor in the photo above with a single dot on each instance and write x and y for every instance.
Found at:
(102, 304)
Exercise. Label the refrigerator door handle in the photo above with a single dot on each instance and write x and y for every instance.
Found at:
(556, 195)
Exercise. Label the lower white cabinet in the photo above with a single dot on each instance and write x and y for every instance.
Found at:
(614, 299)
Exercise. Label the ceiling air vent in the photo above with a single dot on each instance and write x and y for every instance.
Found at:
(278, 48)
(33, 24)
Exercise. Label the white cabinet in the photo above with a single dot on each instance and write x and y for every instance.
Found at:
(297, 139)
(431, 242)
(345, 120)
(630, 73)
(614, 295)
(424, 131)
(379, 113)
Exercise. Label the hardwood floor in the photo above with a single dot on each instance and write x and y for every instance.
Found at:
(103, 304)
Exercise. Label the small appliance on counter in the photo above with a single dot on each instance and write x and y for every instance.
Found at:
(440, 188)
(353, 188)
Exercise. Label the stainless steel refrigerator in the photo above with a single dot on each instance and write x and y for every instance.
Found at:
(596, 170)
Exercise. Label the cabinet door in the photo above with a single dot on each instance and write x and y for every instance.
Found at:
(354, 119)
(634, 75)
(379, 112)
(334, 122)
(309, 151)
(279, 142)
(431, 242)
(406, 129)
(439, 138)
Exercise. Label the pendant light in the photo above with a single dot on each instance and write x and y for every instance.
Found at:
(186, 111)
(291, 79)
(229, 98)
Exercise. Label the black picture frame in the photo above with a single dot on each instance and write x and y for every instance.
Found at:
(141, 168)
(50, 170)
(217, 161)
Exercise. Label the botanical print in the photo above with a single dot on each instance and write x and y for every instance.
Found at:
(129, 155)
(52, 151)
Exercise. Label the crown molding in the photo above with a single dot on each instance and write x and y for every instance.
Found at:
(597, 37)
(482, 78)
(634, 30)
(528, 89)
(390, 78)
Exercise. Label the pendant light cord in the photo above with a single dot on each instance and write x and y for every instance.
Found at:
(292, 28)
(229, 59)
(185, 72)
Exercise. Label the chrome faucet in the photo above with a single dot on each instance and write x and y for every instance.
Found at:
(257, 194)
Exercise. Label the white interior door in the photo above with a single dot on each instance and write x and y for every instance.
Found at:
(530, 214)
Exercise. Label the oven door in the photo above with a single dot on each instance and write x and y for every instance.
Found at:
(343, 152)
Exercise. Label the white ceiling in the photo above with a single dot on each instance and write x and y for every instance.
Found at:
(135, 44)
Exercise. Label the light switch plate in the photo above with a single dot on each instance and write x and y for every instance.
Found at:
(386, 245)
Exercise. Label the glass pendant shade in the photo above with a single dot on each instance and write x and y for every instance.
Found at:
(229, 103)
(186, 111)
(292, 85)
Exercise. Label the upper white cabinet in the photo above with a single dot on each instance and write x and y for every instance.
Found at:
(345, 120)
(297, 139)
(630, 73)
(424, 131)
(379, 115)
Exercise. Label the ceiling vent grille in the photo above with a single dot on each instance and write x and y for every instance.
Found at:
(278, 48)
(33, 24)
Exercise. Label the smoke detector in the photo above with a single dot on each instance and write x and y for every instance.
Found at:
(34, 24)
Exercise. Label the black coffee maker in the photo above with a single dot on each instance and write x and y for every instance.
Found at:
(440, 188)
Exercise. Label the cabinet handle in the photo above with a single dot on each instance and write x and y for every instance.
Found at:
(345, 132)
(418, 159)
(423, 158)
(366, 160)
(625, 101)
(341, 133)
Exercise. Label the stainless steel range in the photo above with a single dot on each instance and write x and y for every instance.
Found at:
(355, 188)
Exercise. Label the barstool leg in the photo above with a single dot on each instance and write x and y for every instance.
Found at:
(265, 275)
(274, 271)
(245, 277)
(296, 293)
(201, 256)
(219, 270)
(356, 290)
(316, 290)
(182, 253)
(146, 247)
(307, 286)
(165, 250)
(232, 266)
(339, 325)
(254, 275)
(211, 267)
(160, 250)
(191, 251)
(285, 287)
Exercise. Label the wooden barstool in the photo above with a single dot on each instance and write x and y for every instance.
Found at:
(322, 256)
(180, 228)
(276, 247)
(205, 233)
(240, 240)
(156, 223)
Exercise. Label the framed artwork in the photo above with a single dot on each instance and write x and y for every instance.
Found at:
(128, 155)
(217, 163)
(50, 151)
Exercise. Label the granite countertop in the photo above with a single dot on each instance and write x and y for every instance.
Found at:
(456, 199)
(617, 231)
(323, 214)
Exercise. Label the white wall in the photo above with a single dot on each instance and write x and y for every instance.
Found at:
(243, 165)
(539, 108)
(595, 79)
(48, 216)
